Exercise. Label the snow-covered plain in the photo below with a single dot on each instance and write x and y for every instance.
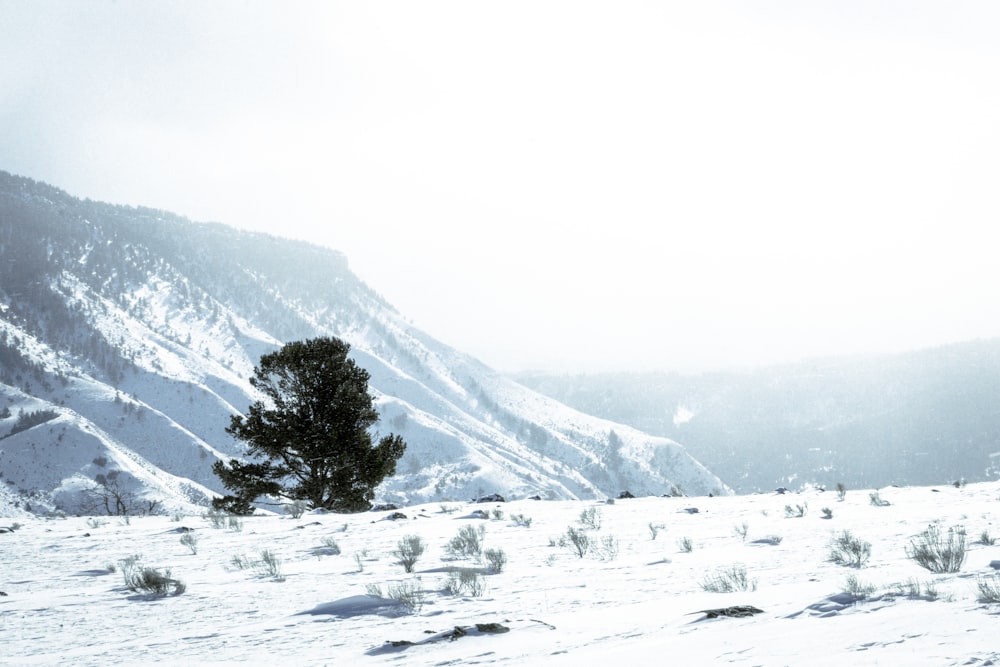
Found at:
(639, 606)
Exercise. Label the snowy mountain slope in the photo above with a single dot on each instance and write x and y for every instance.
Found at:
(134, 332)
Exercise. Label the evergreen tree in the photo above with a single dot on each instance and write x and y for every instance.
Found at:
(310, 439)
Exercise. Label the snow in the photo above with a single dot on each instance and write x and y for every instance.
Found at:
(641, 605)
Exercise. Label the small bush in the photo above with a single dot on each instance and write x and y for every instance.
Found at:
(989, 588)
(740, 530)
(987, 539)
(408, 551)
(576, 541)
(591, 518)
(448, 509)
(797, 512)
(728, 580)
(847, 549)
(914, 590)
(94, 523)
(521, 520)
(241, 562)
(609, 547)
(468, 543)
(933, 551)
(128, 565)
(269, 565)
(141, 579)
(857, 589)
(827, 513)
(297, 508)
(654, 529)
(496, 559)
(331, 545)
(497, 514)
(875, 500)
(685, 544)
(217, 518)
(467, 582)
(190, 540)
(841, 491)
(409, 593)
(154, 582)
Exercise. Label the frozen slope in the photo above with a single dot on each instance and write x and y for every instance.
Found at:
(140, 330)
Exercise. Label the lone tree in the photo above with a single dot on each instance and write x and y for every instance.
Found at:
(310, 440)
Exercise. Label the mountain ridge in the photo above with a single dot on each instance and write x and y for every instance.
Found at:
(140, 330)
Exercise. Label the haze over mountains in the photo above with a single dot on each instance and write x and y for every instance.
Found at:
(918, 418)
(127, 337)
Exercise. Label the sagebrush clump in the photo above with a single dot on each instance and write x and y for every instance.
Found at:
(576, 541)
(468, 543)
(989, 588)
(496, 559)
(591, 518)
(848, 549)
(466, 582)
(190, 540)
(409, 593)
(408, 550)
(143, 579)
(939, 552)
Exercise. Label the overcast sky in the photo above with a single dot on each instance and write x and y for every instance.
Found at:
(572, 186)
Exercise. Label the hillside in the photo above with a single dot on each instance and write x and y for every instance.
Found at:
(127, 337)
(924, 417)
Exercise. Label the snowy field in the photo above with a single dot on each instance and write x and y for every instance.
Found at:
(635, 598)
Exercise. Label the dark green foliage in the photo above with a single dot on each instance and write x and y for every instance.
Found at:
(311, 439)
(30, 419)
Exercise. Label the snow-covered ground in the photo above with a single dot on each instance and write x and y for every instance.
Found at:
(62, 604)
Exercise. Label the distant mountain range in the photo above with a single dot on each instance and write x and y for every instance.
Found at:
(128, 335)
(919, 418)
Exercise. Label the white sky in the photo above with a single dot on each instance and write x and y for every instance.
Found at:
(568, 185)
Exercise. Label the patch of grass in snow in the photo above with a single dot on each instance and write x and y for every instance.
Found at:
(268, 565)
(728, 580)
(410, 593)
(857, 589)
